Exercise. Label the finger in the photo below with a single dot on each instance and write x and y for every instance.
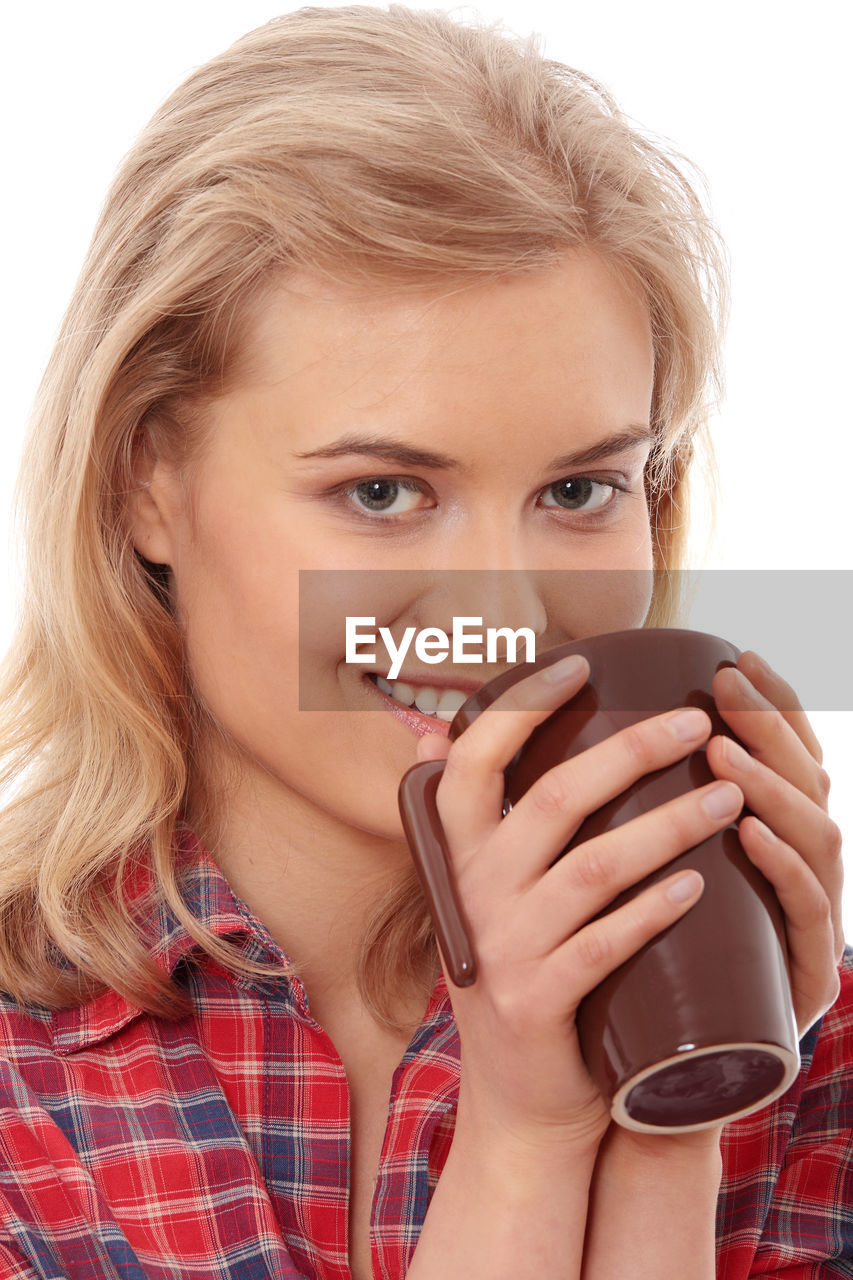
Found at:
(540, 825)
(591, 876)
(808, 920)
(777, 691)
(470, 795)
(433, 746)
(594, 952)
(767, 734)
(793, 817)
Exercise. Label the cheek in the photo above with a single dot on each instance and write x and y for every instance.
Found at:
(241, 622)
(237, 606)
(339, 609)
(588, 602)
(612, 591)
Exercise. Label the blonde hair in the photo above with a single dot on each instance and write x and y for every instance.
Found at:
(365, 144)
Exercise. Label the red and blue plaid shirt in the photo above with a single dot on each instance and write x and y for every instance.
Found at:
(218, 1145)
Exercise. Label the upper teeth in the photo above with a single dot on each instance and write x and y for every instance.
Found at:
(443, 703)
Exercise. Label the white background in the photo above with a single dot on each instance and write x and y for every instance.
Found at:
(753, 92)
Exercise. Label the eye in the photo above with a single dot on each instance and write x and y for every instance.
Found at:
(579, 493)
(384, 495)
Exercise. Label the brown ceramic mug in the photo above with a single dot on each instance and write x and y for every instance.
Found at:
(698, 1027)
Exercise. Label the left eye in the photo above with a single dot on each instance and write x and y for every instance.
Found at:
(381, 494)
(576, 493)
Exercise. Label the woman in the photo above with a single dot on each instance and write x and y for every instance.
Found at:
(373, 290)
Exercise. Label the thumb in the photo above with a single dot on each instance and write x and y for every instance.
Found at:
(433, 746)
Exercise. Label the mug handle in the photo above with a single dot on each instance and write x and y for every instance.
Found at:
(425, 834)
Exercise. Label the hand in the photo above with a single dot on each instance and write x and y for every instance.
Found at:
(540, 948)
(792, 840)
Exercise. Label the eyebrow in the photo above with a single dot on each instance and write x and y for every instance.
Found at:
(388, 449)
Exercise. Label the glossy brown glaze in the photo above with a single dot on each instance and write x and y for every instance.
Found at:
(675, 1037)
(425, 835)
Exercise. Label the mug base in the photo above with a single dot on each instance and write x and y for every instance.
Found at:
(701, 1088)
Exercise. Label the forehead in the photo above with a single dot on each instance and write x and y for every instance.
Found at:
(569, 343)
(582, 297)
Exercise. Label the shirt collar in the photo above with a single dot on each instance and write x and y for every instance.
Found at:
(210, 899)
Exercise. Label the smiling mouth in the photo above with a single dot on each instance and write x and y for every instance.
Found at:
(441, 704)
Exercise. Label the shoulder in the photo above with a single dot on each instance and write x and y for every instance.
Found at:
(41, 1066)
(819, 1104)
(817, 1109)
(787, 1190)
(30, 1070)
(827, 1048)
(23, 1029)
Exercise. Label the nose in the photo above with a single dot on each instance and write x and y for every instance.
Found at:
(488, 575)
(496, 598)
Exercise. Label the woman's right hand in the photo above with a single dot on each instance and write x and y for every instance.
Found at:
(540, 948)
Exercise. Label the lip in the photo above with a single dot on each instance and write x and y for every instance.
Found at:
(414, 720)
(420, 678)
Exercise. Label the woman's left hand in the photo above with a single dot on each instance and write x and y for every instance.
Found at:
(791, 840)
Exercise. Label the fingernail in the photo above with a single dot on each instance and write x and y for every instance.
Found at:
(723, 801)
(566, 669)
(684, 886)
(687, 724)
(768, 836)
(736, 756)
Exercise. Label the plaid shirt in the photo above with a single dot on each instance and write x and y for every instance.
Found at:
(218, 1146)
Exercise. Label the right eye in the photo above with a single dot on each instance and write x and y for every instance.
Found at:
(383, 495)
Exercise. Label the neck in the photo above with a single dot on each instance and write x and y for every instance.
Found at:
(315, 881)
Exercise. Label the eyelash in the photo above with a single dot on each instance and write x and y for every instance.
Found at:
(345, 493)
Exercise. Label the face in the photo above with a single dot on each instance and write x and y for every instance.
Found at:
(503, 426)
